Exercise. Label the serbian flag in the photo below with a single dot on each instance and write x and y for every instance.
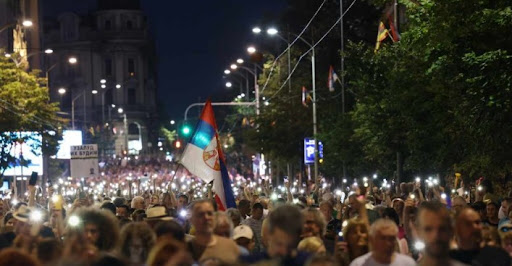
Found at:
(332, 78)
(305, 97)
(203, 157)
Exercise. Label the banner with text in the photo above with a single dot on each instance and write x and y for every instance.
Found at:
(84, 160)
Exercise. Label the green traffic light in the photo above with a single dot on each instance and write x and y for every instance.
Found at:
(185, 130)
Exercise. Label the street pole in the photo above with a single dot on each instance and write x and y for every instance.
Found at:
(342, 51)
(102, 108)
(313, 76)
(256, 90)
(125, 121)
(73, 109)
(73, 114)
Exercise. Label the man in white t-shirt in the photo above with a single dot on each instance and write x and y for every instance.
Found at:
(383, 239)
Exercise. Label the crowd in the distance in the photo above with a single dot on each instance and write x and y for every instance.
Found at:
(364, 224)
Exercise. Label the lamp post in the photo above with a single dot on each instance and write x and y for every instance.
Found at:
(71, 60)
(125, 122)
(26, 23)
(254, 72)
(273, 31)
(73, 109)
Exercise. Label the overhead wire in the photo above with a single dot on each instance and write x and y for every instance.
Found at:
(290, 45)
(311, 48)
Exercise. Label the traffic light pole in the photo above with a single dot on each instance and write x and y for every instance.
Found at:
(217, 104)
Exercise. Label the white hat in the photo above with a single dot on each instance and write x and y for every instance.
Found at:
(157, 213)
(22, 213)
(242, 231)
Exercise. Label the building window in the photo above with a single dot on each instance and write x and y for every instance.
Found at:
(132, 95)
(131, 67)
(129, 24)
(108, 67)
(108, 24)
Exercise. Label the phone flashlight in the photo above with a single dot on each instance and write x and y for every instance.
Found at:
(340, 236)
(74, 221)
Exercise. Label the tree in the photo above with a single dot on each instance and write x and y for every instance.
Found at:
(441, 96)
(25, 106)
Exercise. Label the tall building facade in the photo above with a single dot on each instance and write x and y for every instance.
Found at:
(17, 39)
(110, 92)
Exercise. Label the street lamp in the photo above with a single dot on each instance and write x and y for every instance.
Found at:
(72, 60)
(229, 84)
(173, 122)
(62, 91)
(48, 51)
(125, 122)
(256, 30)
(272, 31)
(27, 23)
(94, 91)
(118, 86)
(251, 49)
(103, 81)
(233, 66)
(240, 61)
(227, 71)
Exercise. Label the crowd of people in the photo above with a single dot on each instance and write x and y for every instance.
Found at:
(143, 212)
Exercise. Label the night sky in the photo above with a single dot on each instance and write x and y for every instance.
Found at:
(195, 41)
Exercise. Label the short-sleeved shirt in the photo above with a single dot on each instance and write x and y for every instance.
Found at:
(219, 249)
(368, 260)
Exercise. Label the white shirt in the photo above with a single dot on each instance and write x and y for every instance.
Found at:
(368, 260)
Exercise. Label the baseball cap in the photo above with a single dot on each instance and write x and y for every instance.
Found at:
(242, 231)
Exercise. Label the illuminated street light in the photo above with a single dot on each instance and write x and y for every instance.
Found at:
(227, 71)
(234, 66)
(27, 23)
(103, 81)
(103, 86)
(118, 86)
(120, 110)
(113, 106)
(48, 51)
(229, 84)
(272, 31)
(173, 122)
(251, 50)
(240, 61)
(72, 60)
(94, 91)
(256, 30)
(62, 91)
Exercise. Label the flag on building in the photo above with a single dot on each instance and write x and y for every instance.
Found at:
(305, 97)
(332, 78)
(204, 158)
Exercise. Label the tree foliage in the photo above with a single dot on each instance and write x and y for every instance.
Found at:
(25, 106)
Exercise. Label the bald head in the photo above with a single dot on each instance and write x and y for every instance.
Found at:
(468, 229)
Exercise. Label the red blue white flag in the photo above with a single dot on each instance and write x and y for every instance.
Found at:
(204, 158)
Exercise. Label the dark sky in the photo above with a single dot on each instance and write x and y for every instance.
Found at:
(195, 41)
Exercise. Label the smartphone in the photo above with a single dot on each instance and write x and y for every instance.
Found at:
(58, 202)
(33, 179)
